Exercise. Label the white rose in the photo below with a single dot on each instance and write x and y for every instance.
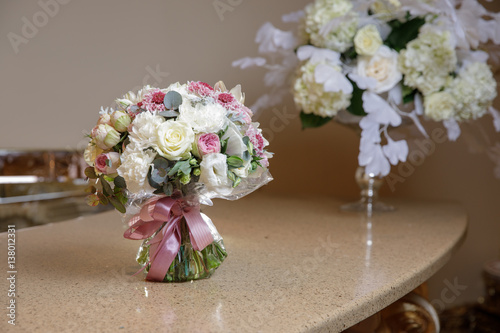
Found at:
(175, 139)
(209, 118)
(367, 40)
(383, 67)
(213, 175)
(235, 144)
(144, 129)
(134, 168)
(440, 106)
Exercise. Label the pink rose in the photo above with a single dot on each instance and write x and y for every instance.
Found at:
(107, 163)
(208, 143)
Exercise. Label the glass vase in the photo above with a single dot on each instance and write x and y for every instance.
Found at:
(369, 185)
(189, 264)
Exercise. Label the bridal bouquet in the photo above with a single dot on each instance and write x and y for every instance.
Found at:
(378, 63)
(163, 152)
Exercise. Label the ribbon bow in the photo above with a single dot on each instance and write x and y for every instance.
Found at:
(165, 245)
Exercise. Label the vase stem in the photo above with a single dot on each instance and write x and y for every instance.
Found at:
(370, 185)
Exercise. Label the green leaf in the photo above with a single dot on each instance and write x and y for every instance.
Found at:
(237, 182)
(246, 155)
(408, 94)
(185, 167)
(172, 100)
(405, 33)
(174, 170)
(90, 173)
(102, 198)
(169, 114)
(119, 182)
(120, 195)
(356, 107)
(310, 120)
(235, 162)
(105, 187)
(117, 204)
(246, 140)
(168, 189)
(223, 146)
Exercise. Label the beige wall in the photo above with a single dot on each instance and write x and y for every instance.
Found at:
(91, 52)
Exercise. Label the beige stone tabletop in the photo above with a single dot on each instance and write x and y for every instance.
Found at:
(295, 264)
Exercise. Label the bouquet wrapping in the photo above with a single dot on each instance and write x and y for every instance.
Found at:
(160, 154)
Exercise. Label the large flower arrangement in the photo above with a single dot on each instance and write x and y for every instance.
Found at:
(165, 151)
(377, 62)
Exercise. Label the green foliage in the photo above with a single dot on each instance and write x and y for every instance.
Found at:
(403, 33)
(90, 173)
(172, 100)
(310, 120)
(356, 106)
(235, 162)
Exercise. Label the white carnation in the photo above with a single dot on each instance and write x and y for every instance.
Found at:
(428, 61)
(311, 97)
(209, 118)
(135, 163)
(331, 24)
(144, 130)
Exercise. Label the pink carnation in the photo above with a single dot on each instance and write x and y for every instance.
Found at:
(153, 101)
(256, 139)
(200, 88)
(208, 143)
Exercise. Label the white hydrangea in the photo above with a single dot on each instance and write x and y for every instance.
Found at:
(331, 24)
(311, 97)
(209, 118)
(135, 163)
(144, 130)
(428, 61)
(474, 89)
(440, 106)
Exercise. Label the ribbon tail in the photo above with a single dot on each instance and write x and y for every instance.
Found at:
(199, 232)
(164, 253)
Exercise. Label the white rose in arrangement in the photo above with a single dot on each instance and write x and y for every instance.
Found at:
(311, 97)
(214, 174)
(474, 89)
(440, 106)
(210, 118)
(339, 36)
(175, 139)
(134, 169)
(144, 130)
(383, 67)
(367, 40)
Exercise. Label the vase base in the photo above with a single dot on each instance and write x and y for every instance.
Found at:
(363, 206)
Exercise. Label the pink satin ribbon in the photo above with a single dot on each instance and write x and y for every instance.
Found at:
(165, 245)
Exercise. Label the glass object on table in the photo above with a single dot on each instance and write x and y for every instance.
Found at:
(39, 186)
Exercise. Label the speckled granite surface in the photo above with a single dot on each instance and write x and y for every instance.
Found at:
(295, 264)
